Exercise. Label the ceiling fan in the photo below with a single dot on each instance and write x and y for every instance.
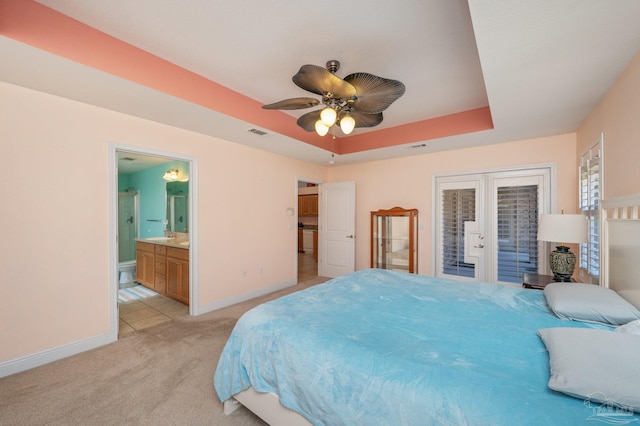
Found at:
(356, 101)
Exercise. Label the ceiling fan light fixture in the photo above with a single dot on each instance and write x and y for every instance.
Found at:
(321, 128)
(328, 116)
(347, 124)
(355, 101)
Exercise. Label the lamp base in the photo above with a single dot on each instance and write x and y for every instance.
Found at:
(563, 263)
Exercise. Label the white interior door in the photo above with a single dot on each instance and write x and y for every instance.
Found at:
(336, 230)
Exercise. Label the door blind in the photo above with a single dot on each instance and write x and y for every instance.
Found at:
(517, 226)
(458, 206)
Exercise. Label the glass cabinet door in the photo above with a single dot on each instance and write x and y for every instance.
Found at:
(394, 243)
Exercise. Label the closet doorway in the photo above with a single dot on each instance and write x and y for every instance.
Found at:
(486, 224)
(307, 234)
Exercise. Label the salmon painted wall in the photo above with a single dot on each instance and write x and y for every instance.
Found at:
(56, 219)
(59, 219)
(407, 182)
(617, 115)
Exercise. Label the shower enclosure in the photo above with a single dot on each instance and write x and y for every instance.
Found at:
(127, 225)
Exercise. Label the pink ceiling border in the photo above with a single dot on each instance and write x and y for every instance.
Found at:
(31, 23)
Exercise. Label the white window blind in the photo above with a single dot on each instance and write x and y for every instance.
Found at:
(590, 193)
(458, 206)
(517, 224)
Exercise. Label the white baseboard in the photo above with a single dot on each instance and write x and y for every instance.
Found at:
(241, 298)
(37, 359)
(40, 358)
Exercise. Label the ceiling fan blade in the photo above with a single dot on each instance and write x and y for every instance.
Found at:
(308, 120)
(293, 103)
(318, 80)
(374, 94)
(366, 120)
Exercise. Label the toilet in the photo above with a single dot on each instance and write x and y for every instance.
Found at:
(126, 271)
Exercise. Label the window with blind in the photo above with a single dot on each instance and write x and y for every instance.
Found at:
(458, 206)
(517, 231)
(590, 193)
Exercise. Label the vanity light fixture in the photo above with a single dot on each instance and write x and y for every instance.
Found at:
(171, 175)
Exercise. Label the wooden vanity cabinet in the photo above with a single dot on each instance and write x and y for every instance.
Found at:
(145, 271)
(160, 268)
(163, 269)
(178, 274)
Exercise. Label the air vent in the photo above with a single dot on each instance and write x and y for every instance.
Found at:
(258, 132)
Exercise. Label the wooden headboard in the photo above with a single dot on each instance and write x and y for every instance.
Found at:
(621, 246)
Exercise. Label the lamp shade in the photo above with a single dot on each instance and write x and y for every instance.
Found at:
(563, 228)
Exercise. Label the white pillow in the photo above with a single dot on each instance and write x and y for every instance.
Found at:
(589, 303)
(632, 327)
(597, 365)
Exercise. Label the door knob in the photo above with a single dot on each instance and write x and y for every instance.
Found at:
(350, 236)
(479, 246)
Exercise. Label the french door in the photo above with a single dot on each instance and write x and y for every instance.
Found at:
(486, 225)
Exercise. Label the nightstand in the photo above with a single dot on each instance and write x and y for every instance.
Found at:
(537, 281)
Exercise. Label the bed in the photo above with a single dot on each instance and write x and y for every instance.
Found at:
(385, 347)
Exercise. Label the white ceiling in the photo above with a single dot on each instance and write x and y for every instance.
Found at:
(131, 162)
(540, 66)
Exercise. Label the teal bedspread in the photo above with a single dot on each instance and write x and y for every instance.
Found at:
(385, 348)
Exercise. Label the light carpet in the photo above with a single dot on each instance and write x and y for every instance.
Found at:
(161, 375)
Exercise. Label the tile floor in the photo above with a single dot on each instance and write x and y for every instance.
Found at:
(307, 267)
(142, 313)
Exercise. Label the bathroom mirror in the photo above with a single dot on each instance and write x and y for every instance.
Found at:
(178, 206)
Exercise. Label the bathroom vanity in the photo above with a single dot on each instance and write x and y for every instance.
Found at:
(162, 264)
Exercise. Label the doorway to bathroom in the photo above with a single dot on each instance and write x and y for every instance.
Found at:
(153, 201)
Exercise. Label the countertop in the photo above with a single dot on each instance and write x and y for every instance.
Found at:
(166, 241)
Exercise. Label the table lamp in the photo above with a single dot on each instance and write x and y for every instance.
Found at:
(562, 228)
